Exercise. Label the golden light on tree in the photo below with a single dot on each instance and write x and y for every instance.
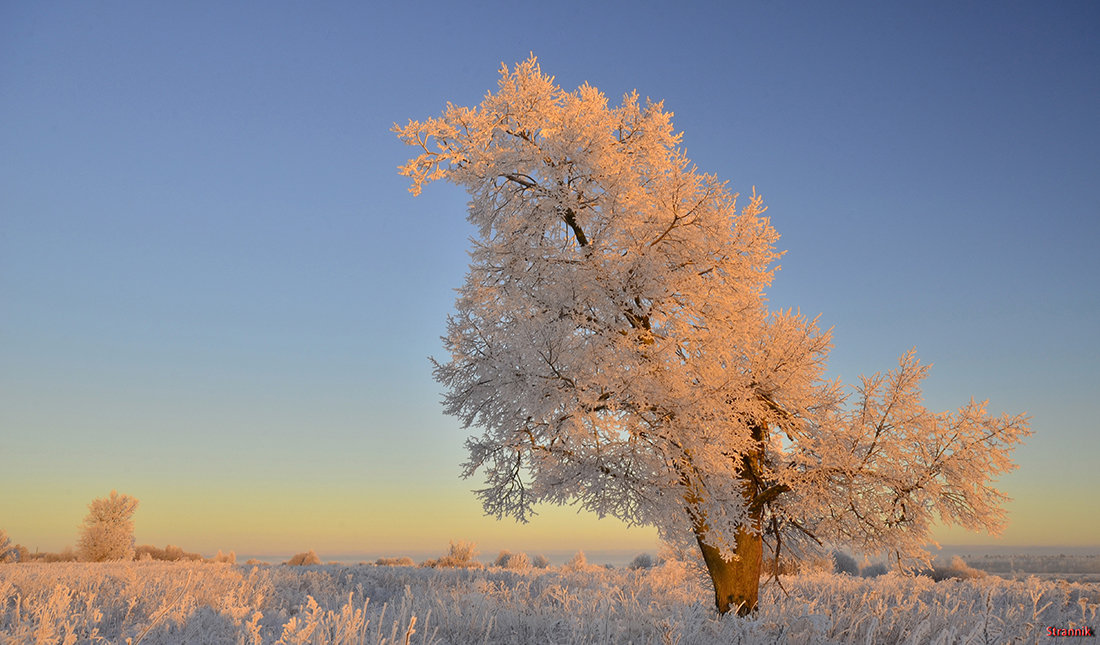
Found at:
(613, 345)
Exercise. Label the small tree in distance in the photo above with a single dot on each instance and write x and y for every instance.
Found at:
(108, 530)
(8, 552)
(613, 344)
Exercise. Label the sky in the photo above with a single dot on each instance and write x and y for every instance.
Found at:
(218, 296)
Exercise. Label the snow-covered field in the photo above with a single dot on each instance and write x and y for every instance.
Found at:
(155, 602)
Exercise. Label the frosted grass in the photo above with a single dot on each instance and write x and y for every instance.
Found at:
(155, 602)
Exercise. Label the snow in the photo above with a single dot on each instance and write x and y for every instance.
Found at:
(189, 602)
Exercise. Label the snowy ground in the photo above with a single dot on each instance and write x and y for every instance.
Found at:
(153, 602)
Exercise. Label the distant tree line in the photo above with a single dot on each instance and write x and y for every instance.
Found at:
(1028, 563)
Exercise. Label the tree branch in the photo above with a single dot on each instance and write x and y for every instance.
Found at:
(767, 497)
(570, 219)
(523, 180)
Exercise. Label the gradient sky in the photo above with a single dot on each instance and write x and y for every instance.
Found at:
(217, 296)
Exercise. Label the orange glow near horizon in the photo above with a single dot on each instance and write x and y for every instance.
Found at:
(286, 521)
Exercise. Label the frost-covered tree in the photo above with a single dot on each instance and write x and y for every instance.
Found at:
(613, 345)
(8, 552)
(108, 529)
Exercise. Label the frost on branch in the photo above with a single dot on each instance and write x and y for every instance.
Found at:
(612, 347)
(887, 468)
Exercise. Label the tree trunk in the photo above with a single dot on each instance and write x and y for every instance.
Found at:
(736, 583)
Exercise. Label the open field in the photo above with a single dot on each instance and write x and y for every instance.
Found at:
(154, 602)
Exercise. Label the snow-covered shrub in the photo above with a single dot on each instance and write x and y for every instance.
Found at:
(227, 558)
(509, 560)
(108, 531)
(642, 561)
(540, 561)
(395, 562)
(580, 564)
(304, 559)
(518, 561)
(146, 552)
(176, 554)
(463, 551)
(578, 561)
(461, 556)
(958, 569)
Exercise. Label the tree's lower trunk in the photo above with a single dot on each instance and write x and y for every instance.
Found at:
(736, 583)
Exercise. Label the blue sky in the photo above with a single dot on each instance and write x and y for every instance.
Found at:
(217, 296)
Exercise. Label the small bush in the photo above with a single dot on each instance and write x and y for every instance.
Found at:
(395, 562)
(642, 561)
(461, 555)
(304, 559)
(580, 563)
(226, 558)
(463, 551)
(173, 553)
(508, 560)
(958, 569)
(540, 561)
